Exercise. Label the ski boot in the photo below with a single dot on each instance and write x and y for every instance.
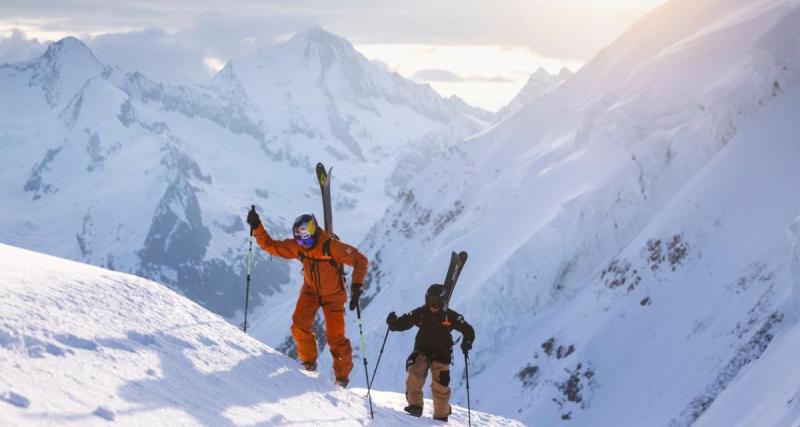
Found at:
(444, 418)
(413, 410)
(342, 382)
(310, 366)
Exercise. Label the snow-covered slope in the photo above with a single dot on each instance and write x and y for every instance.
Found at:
(630, 232)
(80, 345)
(117, 170)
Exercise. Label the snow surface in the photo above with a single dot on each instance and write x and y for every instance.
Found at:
(81, 345)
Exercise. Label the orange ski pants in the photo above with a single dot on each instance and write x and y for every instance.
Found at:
(303, 318)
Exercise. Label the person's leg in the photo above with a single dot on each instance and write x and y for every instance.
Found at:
(417, 368)
(304, 313)
(440, 388)
(342, 352)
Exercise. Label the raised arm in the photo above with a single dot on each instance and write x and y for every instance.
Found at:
(283, 248)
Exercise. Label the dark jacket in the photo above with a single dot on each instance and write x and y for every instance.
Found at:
(433, 338)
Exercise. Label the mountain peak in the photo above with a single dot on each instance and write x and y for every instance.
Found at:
(565, 73)
(68, 46)
(319, 36)
(63, 69)
(541, 72)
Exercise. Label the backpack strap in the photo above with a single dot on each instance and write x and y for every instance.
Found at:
(326, 250)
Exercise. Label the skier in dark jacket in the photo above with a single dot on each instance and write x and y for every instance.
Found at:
(433, 349)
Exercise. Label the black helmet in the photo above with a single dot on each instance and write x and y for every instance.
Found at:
(434, 296)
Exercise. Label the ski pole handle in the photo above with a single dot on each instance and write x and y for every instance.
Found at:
(252, 209)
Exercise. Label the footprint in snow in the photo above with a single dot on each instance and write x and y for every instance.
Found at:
(208, 342)
(104, 413)
(334, 401)
(15, 399)
(38, 349)
(142, 339)
(76, 342)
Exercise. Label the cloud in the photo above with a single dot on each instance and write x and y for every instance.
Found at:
(436, 75)
(490, 79)
(153, 52)
(440, 75)
(228, 37)
(565, 29)
(192, 54)
(16, 47)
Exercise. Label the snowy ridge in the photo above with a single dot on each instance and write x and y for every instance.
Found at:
(80, 345)
(628, 231)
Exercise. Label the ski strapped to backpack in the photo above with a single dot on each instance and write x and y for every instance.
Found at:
(457, 261)
(324, 179)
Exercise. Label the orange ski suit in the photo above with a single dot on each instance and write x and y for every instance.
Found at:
(324, 287)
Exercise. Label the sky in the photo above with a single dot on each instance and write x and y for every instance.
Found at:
(480, 50)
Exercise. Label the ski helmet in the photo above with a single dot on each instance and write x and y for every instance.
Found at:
(305, 230)
(434, 297)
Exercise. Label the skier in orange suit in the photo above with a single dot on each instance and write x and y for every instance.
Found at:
(323, 286)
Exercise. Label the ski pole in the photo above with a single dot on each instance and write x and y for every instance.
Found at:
(364, 356)
(466, 372)
(249, 270)
(374, 371)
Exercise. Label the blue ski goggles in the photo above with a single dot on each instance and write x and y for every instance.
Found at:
(305, 242)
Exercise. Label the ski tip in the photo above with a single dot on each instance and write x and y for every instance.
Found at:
(320, 166)
(463, 256)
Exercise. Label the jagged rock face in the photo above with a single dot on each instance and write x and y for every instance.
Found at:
(627, 229)
(115, 169)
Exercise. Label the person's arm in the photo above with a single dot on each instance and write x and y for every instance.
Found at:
(466, 330)
(343, 253)
(282, 248)
(402, 323)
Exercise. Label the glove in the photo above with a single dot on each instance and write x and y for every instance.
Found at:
(355, 294)
(391, 320)
(466, 346)
(253, 219)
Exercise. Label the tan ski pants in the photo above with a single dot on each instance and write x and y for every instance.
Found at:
(417, 367)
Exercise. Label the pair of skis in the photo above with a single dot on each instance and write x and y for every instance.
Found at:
(457, 261)
(324, 179)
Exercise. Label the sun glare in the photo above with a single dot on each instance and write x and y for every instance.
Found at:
(485, 76)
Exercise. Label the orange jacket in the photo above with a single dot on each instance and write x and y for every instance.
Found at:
(319, 273)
